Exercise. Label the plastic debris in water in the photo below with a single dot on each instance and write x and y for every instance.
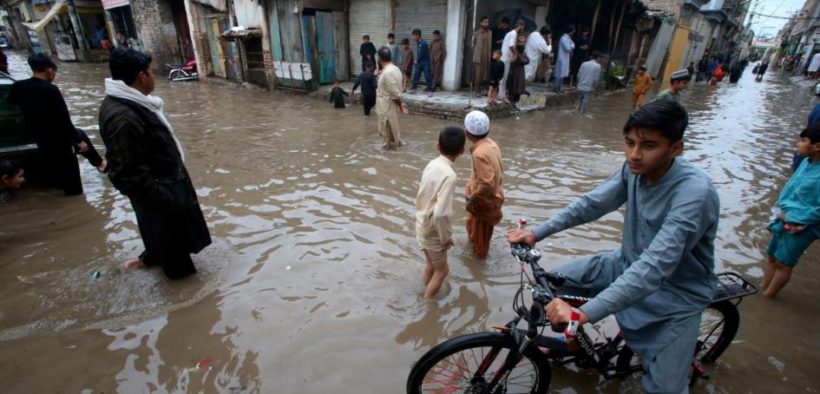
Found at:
(203, 362)
(25, 280)
(95, 275)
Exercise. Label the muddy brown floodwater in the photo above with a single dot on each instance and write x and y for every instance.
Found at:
(313, 283)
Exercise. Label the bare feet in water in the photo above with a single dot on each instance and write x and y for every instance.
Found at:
(133, 264)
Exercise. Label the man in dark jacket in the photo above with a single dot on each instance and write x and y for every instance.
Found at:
(46, 118)
(145, 163)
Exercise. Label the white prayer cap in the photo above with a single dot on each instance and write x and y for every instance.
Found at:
(680, 74)
(477, 123)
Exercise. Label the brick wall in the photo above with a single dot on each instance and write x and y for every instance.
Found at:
(155, 23)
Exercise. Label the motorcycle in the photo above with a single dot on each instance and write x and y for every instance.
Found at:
(182, 72)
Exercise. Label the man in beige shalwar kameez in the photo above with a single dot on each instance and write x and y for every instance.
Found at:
(482, 54)
(388, 100)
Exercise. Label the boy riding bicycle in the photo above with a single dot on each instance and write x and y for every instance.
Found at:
(661, 279)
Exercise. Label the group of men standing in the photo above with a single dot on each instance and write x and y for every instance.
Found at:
(569, 55)
(144, 159)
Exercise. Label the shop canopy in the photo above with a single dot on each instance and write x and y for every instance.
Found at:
(219, 5)
(55, 9)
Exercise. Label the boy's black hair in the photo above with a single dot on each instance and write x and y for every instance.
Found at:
(11, 168)
(370, 66)
(570, 28)
(812, 133)
(416, 32)
(545, 30)
(365, 37)
(405, 41)
(436, 33)
(505, 20)
(483, 17)
(451, 140)
(384, 54)
(595, 55)
(127, 63)
(496, 50)
(39, 62)
(642, 68)
(668, 117)
(391, 35)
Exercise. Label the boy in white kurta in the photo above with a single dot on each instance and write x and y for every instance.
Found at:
(434, 208)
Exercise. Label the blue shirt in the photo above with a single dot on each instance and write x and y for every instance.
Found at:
(814, 116)
(800, 198)
(667, 250)
(423, 52)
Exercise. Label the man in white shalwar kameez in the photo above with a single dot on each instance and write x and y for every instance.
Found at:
(509, 42)
(565, 48)
(537, 46)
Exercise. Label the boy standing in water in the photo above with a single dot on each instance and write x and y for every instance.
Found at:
(643, 82)
(680, 81)
(483, 192)
(496, 75)
(368, 83)
(337, 94)
(434, 208)
(797, 224)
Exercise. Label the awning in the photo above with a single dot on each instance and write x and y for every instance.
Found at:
(109, 4)
(39, 25)
(219, 5)
(240, 32)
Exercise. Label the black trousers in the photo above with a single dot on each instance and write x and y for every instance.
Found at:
(368, 102)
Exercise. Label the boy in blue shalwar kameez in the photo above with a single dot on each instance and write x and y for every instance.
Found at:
(661, 279)
(797, 224)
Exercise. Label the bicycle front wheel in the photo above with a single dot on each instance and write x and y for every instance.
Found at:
(469, 363)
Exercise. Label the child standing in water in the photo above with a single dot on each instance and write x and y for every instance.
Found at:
(797, 223)
(434, 208)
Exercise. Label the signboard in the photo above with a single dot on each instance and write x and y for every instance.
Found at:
(109, 4)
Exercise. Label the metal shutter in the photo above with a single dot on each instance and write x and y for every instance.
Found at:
(427, 15)
(371, 17)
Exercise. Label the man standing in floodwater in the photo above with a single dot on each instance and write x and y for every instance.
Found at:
(47, 119)
(146, 163)
(388, 101)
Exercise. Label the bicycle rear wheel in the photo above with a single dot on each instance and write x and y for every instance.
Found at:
(467, 364)
(718, 327)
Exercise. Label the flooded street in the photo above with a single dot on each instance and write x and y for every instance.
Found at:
(313, 283)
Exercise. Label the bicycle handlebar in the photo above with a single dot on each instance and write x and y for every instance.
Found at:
(545, 283)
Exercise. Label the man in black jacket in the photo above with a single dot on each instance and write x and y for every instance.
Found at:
(145, 163)
(47, 120)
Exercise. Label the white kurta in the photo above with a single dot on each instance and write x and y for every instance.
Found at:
(565, 48)
(509, 41)
(536, 47)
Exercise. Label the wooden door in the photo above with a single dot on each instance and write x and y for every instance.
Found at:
(217, 56)
(325, 47)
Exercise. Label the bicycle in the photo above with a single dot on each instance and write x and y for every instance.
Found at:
(518, 360)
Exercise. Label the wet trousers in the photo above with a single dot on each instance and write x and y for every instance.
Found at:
(368, 102)
(666, 368)
(479, 233)
(637, 99)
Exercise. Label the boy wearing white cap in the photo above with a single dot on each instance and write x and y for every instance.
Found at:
(434, 208)
(680, 81)
(483, 191)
